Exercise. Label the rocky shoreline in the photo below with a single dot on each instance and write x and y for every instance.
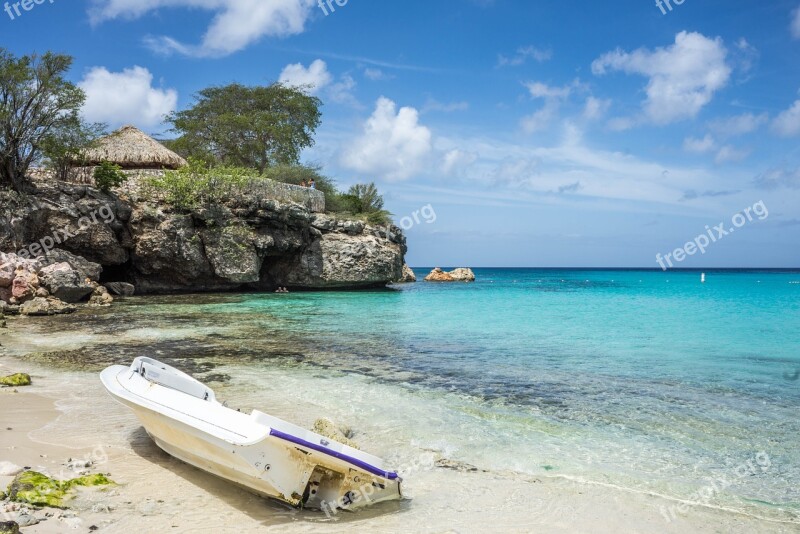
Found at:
(69, 243)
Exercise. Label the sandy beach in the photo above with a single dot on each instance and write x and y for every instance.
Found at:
(66, 415)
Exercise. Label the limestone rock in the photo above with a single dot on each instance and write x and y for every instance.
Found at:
(65, 283)
(9, 527)
(232, 254)
(408, 276)
(86, 268)
(121, 289)
(40, 307)
(457, 275)
(100, 297)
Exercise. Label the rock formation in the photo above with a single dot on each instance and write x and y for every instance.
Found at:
(408, 277)
(80, 236)
(457, 275)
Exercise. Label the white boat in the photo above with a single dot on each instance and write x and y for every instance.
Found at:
(262, 453)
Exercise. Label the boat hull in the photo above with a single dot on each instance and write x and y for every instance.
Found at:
(276, 464)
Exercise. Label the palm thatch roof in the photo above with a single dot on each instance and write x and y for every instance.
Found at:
(131, 148)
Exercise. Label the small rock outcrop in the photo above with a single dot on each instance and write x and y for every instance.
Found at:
(43, 307)
(457, 275)
(9, 527)
(409, 277)
(121, 289)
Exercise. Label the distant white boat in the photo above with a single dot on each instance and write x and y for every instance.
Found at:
(260, 452)
(703, 278)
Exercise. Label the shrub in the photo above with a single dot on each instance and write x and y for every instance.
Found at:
(108, 176)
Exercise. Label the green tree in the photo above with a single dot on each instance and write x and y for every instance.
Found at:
(252, 127)
(64, 147)
(108, 175)
(369, 200)
(36, 102)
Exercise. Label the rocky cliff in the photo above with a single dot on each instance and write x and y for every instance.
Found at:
(249, 243)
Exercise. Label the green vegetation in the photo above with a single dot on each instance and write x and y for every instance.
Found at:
(17, 380)
(39, 490)
(39, 109)
(250, 127)
(108, 175)
(63, 147)
(196, 184)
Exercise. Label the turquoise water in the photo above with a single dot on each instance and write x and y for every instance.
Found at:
(643, 380)
(640, 379)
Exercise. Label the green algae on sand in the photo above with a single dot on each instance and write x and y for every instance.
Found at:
(17, 380)
(40, 490)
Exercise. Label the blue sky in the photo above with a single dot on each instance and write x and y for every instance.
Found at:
(552, 133)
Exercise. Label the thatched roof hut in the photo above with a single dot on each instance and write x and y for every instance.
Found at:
(131, 148)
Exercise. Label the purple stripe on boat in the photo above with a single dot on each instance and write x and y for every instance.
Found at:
(355, 461)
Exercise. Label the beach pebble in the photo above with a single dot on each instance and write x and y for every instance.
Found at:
(7, 469)
(101, 508)
(25, 519)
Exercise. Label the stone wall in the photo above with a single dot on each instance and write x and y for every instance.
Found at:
(311, 199)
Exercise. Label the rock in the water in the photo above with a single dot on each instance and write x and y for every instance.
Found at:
(408, 275)
(65, 283)
(17, 380)
(9, 527)
(121, 289)
(7, 469)
(100, 297)
(327, 428)
(457, 275)
(40, 307)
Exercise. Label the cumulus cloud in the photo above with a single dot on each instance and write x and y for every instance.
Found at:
(313, 79)
(787, 124)
(683, 77)
(730, 154)
(236, 23)
(394, 145)
(125, 97)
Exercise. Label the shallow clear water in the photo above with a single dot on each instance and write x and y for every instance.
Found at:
(639, 379)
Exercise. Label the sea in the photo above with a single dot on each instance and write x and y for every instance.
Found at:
(651, 381)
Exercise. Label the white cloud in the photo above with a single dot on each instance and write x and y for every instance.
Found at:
(341, 92)
(523, 54)
(376, 75)
(729, 154)
(457, 159)
(739, 124)
(787, 124)
(683, 77)
(236, 24)
(595, 108)
(314, 78)
(541, 119)
(699, 146)
(542, 90)
(394, 145)
(553, 97)
(796, 23)
(125, 97)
